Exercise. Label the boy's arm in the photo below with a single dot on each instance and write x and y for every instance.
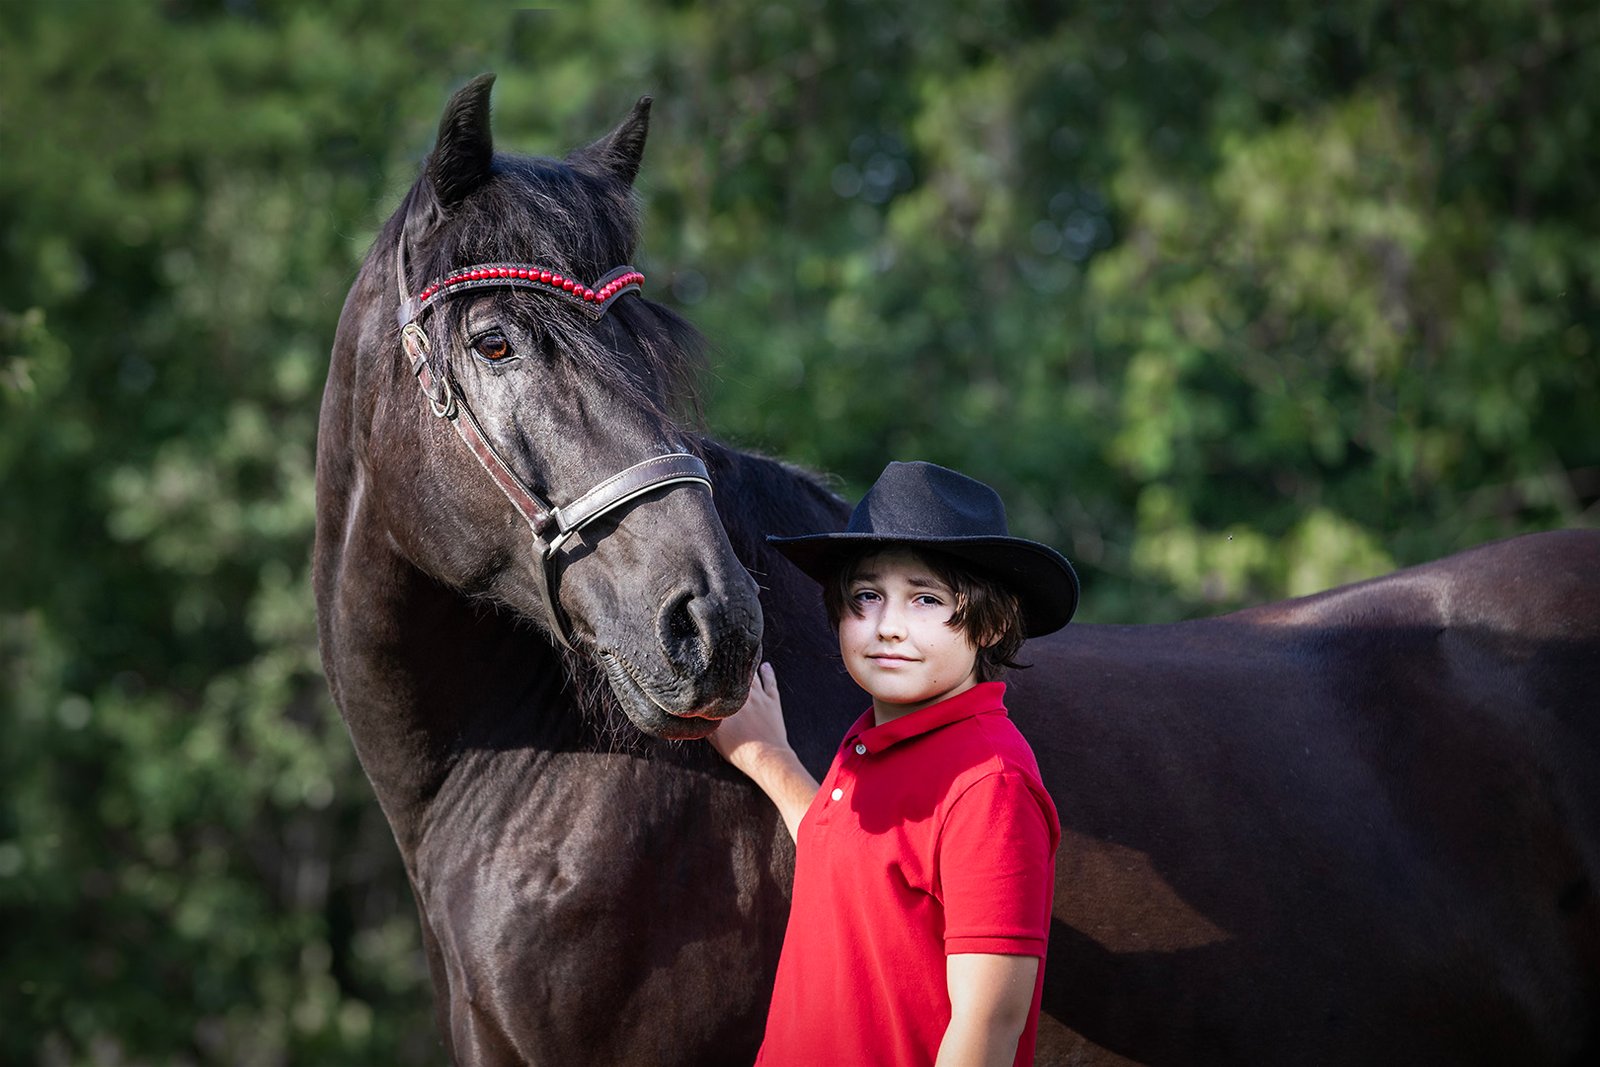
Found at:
(754, 740)
(990, 997)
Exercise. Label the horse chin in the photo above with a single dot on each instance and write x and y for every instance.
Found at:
(646, 710)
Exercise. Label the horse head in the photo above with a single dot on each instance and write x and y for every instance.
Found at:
(538, 466)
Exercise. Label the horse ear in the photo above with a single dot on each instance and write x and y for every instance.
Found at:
(461, 156)
(620, 151)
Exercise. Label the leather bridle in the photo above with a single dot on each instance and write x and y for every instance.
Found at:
(552, 527)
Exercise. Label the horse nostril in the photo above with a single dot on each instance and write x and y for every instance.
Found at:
(683, 636)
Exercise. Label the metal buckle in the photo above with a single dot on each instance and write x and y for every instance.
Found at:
(441, 397)
(444, 404)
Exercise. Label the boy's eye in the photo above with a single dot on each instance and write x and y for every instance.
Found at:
(863, 595)
(929, 599)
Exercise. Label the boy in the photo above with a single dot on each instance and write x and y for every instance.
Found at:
(925, 861)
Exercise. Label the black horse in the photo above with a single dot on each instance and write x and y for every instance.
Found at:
(1360, 827)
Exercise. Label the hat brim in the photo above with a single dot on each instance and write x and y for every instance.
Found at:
(1043, 580)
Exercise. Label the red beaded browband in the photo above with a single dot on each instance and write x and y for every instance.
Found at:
(594, 301)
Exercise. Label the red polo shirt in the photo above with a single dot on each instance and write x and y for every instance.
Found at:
(931, 835)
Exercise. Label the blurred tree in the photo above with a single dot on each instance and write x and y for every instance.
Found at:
(1247, 325)
(1230, 304)
(190, 863)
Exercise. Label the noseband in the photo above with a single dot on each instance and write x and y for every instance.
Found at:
(552, 527)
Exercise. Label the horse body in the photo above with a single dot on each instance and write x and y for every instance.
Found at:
(1357, 827)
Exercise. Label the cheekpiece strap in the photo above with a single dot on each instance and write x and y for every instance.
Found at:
(594, 301)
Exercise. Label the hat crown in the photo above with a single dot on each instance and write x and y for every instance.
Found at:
(924, 500)
(921, 505)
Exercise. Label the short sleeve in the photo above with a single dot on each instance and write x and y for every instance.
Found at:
(996, 868)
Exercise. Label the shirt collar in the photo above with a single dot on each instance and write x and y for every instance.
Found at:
(983, 698)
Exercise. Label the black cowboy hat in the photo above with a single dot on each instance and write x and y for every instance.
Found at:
(925, 505)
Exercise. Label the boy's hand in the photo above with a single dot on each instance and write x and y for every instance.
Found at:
(754, 740)
(755, 730)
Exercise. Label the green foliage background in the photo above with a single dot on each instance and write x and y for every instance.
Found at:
(1231, 301)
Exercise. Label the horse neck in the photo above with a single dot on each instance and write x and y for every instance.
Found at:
(420, 672)
(423, 675)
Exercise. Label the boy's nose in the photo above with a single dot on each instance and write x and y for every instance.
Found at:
(891, 622)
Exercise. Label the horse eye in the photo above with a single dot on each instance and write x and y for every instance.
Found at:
(492, 347)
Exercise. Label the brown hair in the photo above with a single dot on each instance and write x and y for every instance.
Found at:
(987, 611)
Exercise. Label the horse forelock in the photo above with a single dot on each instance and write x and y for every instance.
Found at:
(541, 210)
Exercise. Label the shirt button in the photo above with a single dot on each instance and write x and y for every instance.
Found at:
(837, 794)
(861, 750)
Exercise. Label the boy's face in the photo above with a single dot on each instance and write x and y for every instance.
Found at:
(901, 648)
